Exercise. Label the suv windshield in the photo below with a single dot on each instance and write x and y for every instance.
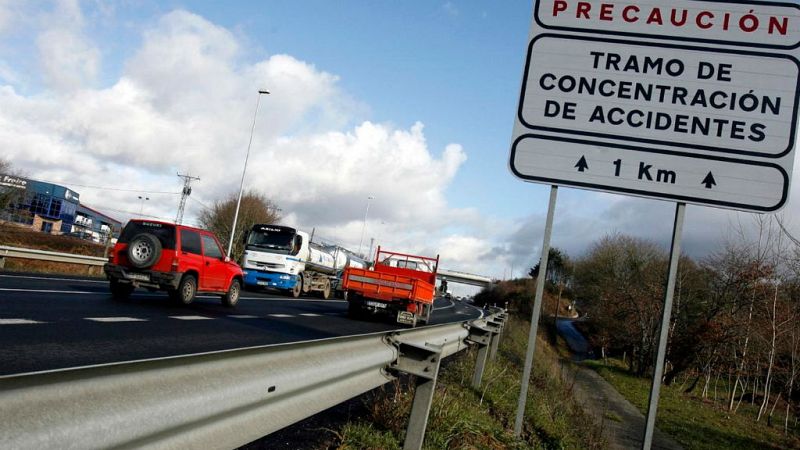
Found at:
(164, 232)
(275, 241)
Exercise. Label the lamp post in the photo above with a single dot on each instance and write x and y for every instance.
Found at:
(364, 226)
(141, 205)
(244, 171)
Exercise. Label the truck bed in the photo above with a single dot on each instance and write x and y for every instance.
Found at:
(390, 285)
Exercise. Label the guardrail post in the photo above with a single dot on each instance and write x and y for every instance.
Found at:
(495, 338)
(423, 363)
(2, 262)
(482, 337)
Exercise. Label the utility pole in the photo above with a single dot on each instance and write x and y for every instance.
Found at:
(187, 191)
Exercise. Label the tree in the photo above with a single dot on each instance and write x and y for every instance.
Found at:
(559, 268)
(8, 194)
(621, 283)
(255, 208)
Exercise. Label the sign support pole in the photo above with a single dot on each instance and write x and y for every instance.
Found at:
(537, 308)
(658, 373)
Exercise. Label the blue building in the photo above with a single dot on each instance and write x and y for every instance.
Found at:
(53, 209)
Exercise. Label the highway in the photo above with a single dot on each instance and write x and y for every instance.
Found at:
(55, 322)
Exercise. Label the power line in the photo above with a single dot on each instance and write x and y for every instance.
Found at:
(786, 232)
(199, 202)
(106, 188)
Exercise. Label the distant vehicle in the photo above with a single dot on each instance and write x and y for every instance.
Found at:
(181, 260)
(284, 258)
(399, 285)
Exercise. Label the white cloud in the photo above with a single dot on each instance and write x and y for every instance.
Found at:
(69, 61)
(185, 102)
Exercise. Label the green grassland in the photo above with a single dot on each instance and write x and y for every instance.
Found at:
(464, 418)
(698, 423)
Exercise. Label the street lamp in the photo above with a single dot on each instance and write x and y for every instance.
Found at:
(244, 171)
(364, 226)
(141, 205)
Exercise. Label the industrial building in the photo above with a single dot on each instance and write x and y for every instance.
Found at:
(53, 209)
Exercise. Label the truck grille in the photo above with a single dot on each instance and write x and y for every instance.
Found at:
(261, 265)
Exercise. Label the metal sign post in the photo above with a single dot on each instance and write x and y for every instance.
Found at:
(655, 389)
(537, 309)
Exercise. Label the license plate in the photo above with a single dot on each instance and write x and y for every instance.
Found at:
(405, 317)
(138, 276)
(376, 304)
(263, 283)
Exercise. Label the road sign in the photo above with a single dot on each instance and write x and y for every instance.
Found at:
(695, 102)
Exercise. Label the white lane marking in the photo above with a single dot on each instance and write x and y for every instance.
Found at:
(309, 314)
(190, 317)
(51, 291)
(242, 316)
(145, 294)
(18, 321)
(445, 307)
(280, 315)
(56, 279)
(115, 319)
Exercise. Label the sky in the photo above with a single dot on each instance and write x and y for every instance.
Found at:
(411, 103)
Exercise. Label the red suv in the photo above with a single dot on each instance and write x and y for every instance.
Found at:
(181, 260)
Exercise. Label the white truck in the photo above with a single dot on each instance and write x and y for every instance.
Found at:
(284, 258)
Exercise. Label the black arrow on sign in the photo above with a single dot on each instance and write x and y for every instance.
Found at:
(709, 180)
(582, 165)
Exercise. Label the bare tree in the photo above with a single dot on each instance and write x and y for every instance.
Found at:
(255, 208)
(8, 194)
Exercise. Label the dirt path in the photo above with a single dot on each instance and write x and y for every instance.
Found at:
(623, 424)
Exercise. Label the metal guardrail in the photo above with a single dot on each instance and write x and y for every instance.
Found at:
(229, 398)
(27, 253)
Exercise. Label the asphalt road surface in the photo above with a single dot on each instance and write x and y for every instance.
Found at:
(53, 322)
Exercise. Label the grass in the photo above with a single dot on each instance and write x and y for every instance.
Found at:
(697, 423)
(465, 418)
(15, 236)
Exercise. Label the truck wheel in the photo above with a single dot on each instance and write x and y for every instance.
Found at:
(425, 318)
(326, 290)
(120, 291)
(353, 310)
(186, 290)
(298, 287)
(231, 298)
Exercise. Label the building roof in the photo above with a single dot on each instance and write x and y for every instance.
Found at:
(98, 213)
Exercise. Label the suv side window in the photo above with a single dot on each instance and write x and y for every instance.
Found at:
(190, 242)
(211, 247)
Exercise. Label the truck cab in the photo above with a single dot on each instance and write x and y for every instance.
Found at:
(275, 257)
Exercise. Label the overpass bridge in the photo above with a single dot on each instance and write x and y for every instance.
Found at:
(453, 276)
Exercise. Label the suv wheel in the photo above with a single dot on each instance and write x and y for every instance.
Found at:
(144, 250)
(231, 298)
(120, 291)
(186, 290)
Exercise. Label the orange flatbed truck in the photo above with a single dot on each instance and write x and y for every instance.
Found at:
(399, 285)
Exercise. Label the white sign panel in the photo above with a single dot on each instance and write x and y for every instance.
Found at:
(726, 22)
(656, 106)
